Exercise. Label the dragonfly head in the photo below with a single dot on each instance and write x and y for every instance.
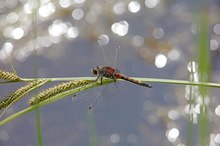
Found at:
(95, 70)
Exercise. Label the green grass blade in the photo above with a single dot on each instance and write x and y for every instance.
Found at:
(153, 80)
(38, 127)
(204, 72)
(93, 138)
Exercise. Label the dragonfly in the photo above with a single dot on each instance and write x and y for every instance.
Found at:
(112, 73)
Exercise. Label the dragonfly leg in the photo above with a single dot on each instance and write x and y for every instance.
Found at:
(115, 81)
(116, 84)
(97, 78)
(90, 107)
(113, 77)
(101, 78)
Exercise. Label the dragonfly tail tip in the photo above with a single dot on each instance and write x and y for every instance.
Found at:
(148, 85)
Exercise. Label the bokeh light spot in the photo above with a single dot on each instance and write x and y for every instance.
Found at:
(65, 3)
(120, 28)
(160, 61)
(103, 40)
(20, 55)
(47, 10)
(115, 138)
(119, 8)
(173, 134)
(134, 6)
(192, 66)
(217, 110)
(77, 14)
(214, 45)
(6, 50)
(7, 47)
(138, 40)
(57, 28)
(7, 32)
(174, 54)
(12, 17)
(173, 114)
(91, 17)
(30, 6)
(197, 108)
(217, 138)
(158, 33)
(151, 3)
(18, 33)
(78, 1)
(72, 32)
(216, 29)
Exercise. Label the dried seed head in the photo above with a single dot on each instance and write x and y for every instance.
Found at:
(50, 92)
(9, 76)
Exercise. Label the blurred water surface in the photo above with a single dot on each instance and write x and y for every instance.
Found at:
(157, 39)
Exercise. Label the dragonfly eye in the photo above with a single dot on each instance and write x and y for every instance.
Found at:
(94, 71)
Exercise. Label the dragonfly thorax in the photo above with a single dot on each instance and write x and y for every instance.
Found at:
(106, 71)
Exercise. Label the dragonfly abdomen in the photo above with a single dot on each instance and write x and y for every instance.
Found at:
(120, 76)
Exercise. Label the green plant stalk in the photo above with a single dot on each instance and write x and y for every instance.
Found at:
(95, 84)
(190, 116)
(152, 80)
(38, 127)
(93, 138)
(204, 72)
